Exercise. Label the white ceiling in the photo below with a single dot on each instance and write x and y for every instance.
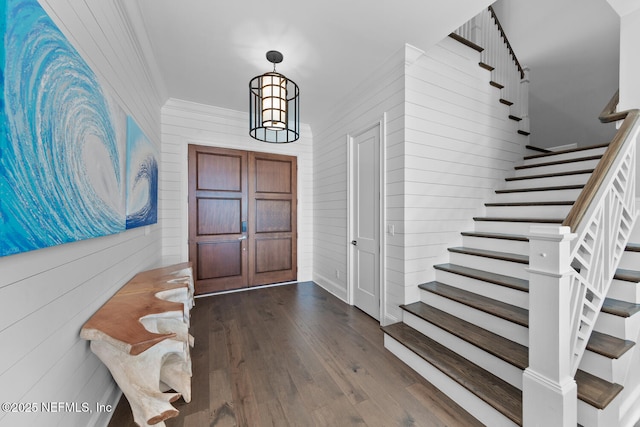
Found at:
(208, 50)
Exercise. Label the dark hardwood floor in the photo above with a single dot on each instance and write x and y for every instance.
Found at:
(295, 355)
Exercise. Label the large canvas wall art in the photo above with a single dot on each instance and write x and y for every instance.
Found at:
(142, 178)
(62, 138)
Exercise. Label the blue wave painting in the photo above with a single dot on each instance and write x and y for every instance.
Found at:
(62, 139)
(142, 178)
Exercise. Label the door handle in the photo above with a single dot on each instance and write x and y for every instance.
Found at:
(354, 243)
(242, 238)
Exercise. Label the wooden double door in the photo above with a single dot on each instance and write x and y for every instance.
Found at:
(242, 218)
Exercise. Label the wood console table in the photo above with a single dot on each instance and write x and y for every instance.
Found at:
(142, 335)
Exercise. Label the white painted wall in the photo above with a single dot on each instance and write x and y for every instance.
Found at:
(449, 143)
(571, 48)
(381, 92)
(185, 123)
(48, 294)
(459, 146)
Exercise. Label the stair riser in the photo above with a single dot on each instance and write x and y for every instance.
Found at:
(511, 246)
(551, 212)
(470, 402)
(498, 292)
(521, 228)
(624, 291)
(617, 326)
(488, 362)
(580, 179)
(565, 156)
(537, 196)
(612, 370)
(588, 416)
(630, 260)
(497, 325)
(564, 167)
(507, 268)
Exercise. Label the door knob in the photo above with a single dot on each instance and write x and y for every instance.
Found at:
(354, 243)
(242, 238)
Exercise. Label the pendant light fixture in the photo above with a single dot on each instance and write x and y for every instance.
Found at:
(274, 105)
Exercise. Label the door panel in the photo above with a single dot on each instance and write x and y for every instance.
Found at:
(273, 255)
(273, 216)
(218, 206)
(242, 218)
(228, 256)
(275, 175)
(366, 221)
(273, 224)
(219, 216)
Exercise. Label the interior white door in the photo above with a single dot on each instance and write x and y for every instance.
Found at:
(365, 160)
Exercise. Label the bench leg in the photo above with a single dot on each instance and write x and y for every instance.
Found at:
(139, 378)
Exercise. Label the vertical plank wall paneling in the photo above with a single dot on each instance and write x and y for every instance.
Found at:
(449, 143)
(48, 294)
(185, 123)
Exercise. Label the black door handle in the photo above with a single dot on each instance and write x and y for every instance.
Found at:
(354, 243)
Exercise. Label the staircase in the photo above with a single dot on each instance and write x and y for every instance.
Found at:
(468, 334)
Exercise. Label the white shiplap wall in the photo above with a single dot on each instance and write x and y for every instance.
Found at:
(459, 146)
(185, 123)
(48, 294)
(449, 144)
(380, 95)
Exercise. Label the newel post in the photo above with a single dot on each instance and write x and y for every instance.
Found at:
(549, 391)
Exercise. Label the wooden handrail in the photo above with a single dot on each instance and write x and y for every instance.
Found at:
(609, 113)
(592, 186)
(506, 40)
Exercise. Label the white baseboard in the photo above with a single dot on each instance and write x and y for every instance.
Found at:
(111, 397)
(331, 287)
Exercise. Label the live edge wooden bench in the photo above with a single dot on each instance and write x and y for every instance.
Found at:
(142, 335)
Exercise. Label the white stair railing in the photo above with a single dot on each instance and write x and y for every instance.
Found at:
(497, 55)
(571, 269)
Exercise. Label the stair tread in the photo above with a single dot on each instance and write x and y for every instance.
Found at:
(632, 247)
(509, 312)
(506, 219)
(628, 275)
(504, 236)
(558, 203)
(596, 391)
(540, 149)
(559, 162)
(605, 345)
(486, 66)
(569, 150)
(503, 348)
(549, 188)
(620, 308)
(593, 390)
(549, 175)
(498, 279)
(608, 346)
(501, 395)
(505, 256)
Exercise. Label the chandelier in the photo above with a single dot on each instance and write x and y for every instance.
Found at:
(274, 105)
